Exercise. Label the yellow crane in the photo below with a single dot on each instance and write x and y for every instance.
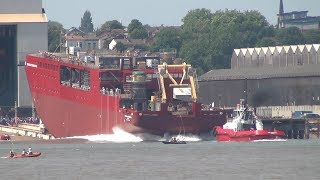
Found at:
(187, 71)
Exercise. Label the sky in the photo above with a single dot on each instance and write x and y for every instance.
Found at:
(166, 12)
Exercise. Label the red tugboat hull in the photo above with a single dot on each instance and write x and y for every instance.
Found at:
(223, 135)
(71, 110)
(5, 137)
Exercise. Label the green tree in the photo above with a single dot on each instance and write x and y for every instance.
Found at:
(167, 38)
(136, 30)
(108, 26)
(289, 36)
(55, 30)
(193, 54)
(140, 33)
(312, 36)
(208, 39)
(86, 22)
(266, 41)
(197, 21)
(268, 31)
(134, 24)
(120, 47)
(106, 43)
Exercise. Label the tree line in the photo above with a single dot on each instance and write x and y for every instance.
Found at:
(205, 39)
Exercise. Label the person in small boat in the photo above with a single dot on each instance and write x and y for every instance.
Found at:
(23, 153)
(11, 153)
(29, 151)
(174, 139)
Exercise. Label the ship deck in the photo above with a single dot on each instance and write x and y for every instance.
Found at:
(66, 58)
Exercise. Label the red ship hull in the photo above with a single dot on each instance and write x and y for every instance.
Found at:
(67, 111)
(223, 135)
(64, 118)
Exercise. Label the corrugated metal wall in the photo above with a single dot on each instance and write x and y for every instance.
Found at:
(277, 56)
(262, 92)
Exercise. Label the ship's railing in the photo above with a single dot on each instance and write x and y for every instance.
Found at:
(111, 92)
(66, 58)
(75, 85)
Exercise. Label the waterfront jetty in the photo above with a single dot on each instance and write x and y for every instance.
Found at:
(295, 128)
(26, 130)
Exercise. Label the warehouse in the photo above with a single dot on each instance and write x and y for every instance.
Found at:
(23, 30)
(270, 76)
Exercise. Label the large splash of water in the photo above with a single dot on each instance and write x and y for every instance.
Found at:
(118, 135)
(121, 136)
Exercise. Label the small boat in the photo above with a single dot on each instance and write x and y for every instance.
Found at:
(174, 140)
(245, 126)
(34, 154)
(5, 137)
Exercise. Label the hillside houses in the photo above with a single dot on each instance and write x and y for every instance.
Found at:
(128, 43)
(77, 40)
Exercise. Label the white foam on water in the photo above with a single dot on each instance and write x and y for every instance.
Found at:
(119, 136)
(188, 137)
(270, 140)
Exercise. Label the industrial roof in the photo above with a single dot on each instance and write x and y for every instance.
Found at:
(264, 50)
(23, 18)
(306, 70)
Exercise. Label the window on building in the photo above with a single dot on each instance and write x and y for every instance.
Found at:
(89, 45)
(80, 44)
(94, 45)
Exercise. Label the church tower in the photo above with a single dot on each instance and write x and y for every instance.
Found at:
(280, 15)
(281, 11)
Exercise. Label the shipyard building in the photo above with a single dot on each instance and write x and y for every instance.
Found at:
(268, 76)
(23, 30)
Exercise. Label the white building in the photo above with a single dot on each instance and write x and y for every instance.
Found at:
(23, 30)
(77, 39)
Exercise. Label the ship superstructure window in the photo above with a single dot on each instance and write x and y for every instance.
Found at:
(110, 76)
(75, 78)
(65, 76)
(147, 62)
(85, 80)
(109, 62)
(152, 63)
(126, 63)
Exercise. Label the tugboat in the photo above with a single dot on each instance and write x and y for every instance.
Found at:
(245, 126)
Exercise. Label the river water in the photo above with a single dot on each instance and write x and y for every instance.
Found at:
(97, 159)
